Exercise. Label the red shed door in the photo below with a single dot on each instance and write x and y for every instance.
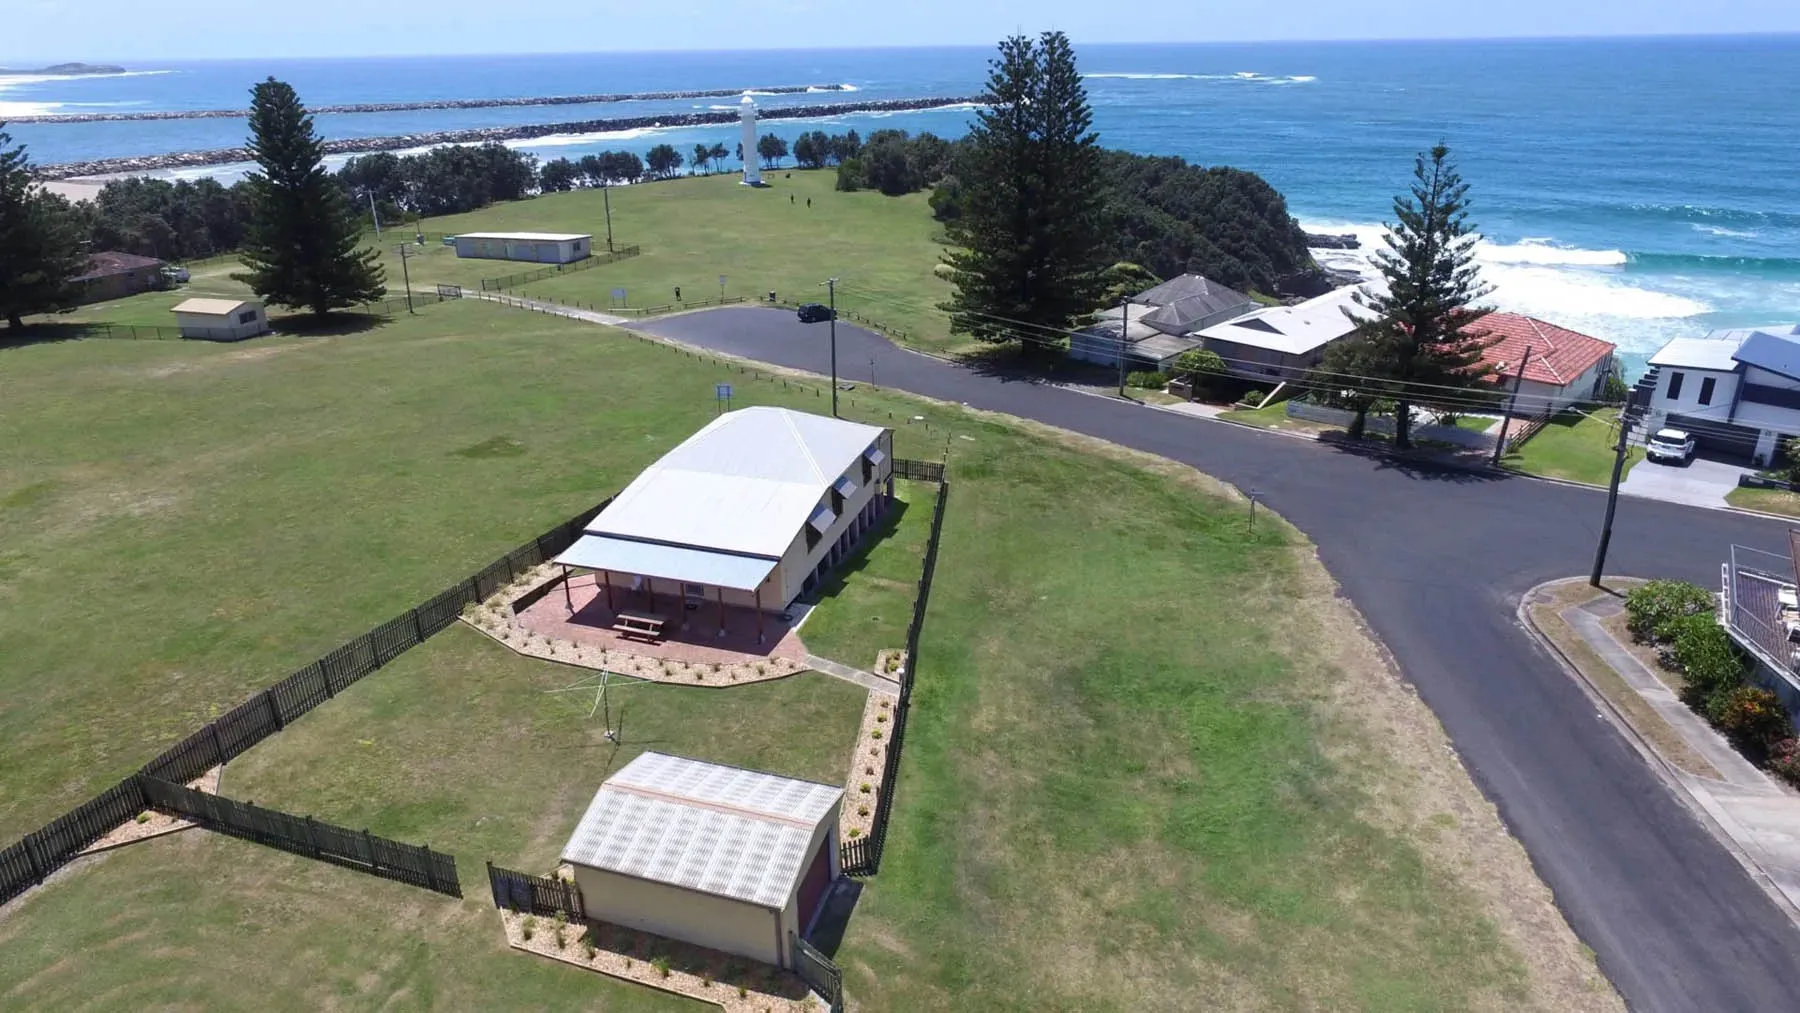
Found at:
(812, 886)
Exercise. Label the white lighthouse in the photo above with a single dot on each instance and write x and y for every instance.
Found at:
(747, 116)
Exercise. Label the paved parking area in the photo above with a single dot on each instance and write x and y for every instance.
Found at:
(1699, 482)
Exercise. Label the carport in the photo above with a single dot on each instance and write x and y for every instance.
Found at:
(1720, 439)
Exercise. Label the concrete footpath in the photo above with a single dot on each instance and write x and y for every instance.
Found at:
(1757, 818)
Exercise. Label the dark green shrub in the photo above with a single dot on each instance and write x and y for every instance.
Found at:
(662, 966)
(1147, 379)
(1652, 606)
(1252, 398)
(1754, 719)
(1707, 659)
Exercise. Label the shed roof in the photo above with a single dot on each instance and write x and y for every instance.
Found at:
(110, 262)
(1294, 330)
(1189, 313)
(1559, 356)
(544, 237)
(210, 307)
(721, 830)
(743, 484)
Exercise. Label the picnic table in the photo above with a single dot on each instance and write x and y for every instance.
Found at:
(647, 625)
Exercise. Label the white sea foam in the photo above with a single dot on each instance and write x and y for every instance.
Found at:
(1719, 230)
(1588, 290)
(564, 140)
(1240, 76)
(11, 81)
(1152, 77)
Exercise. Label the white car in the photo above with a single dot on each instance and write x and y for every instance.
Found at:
(1670, 445)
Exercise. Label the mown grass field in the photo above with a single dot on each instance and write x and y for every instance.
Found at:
(1577, 446)
(1153, 763)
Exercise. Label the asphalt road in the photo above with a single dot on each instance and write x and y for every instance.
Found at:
(1437, 561)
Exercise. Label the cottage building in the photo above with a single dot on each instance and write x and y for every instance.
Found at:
(220, 319)
(1566, 367)
(1279, 343)
(112, 275)
(1159, 323)
(536, 247)
(736, 860)
(1737, 391)
(751, 511)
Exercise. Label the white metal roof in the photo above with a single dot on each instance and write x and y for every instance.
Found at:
(544, 237)
(671, 562)
(743, 484)
(721, 830)
(1699, 353)
(1296, 329)
(210, 307)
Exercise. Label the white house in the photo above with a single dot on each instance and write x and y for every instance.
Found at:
(1565, 367)
(220, 319)
(1283, 342)
(752, 510)
(537, 247)
(1737, 391)
(736, 860)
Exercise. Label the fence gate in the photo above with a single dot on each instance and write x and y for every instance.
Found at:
(449, 291)
(819, 973)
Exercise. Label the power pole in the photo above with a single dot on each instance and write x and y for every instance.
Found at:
(1506, 416)
(606, 197)
(1626, 418)
(406, 275)
(376, 215)
(1124, 322)
(831, 287)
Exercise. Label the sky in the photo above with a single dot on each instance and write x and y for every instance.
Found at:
(39, 32)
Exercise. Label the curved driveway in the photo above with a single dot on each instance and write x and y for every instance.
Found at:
(1437, 561)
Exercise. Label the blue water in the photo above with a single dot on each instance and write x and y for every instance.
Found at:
(1634, 189)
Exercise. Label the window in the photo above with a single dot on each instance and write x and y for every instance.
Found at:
(1706, 390)
(247, 317)
(837, 502)
(868, 471)
(812, 537)
(1674, 387)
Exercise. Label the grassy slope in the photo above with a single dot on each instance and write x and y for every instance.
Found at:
(1573, 446)
(181, 524)
(1128, 784)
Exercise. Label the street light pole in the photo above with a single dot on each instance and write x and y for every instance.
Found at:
(1506, 416)
(406, 276)
(831, 287)
(1626, 419)
(1124, 318)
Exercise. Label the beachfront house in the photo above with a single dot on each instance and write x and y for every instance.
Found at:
(1565, 367)
(1155, 326)
(220, 319)
(1279, 343)
(736, 860)
(751, 512)
(1737, 391)
(535, 247)
(113, 275)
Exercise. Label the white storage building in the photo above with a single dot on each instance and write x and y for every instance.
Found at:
(736, 860)
(536, 247)
(752, 510)
(220, 319)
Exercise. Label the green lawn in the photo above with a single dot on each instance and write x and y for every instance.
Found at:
(1573, 446)
(183, 523)
(1152, 764)
(865, 606)
(1769, 501)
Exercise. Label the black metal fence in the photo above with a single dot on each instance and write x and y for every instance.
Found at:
(920, 471)
(818, 971)
(534, 895)
(862, 857)
(45, 850)
(303, 835)
(586, 263)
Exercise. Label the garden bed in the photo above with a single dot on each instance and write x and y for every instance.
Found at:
(868, 760)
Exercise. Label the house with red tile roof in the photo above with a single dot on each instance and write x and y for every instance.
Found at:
(1564, 367)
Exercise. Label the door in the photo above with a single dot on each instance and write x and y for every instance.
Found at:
(812, 886)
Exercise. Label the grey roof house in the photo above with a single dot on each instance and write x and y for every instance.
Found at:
(1159, 323)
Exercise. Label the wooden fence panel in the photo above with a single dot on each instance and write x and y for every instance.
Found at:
(394, 637)
(536, 895)
(242, 727)
(299, 693)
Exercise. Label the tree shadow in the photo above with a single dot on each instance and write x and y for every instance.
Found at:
(306, 325)
(1012, 363)
(839, 578)
(44, 333)
(834, 919)
(1425, 465)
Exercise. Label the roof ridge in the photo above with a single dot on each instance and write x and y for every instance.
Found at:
(805, 450)
(675, 798)
(1537, 327)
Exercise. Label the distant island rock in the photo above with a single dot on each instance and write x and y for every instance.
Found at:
(1320, 241)
(67, 69)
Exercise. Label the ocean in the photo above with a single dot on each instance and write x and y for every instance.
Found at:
(1634, 189)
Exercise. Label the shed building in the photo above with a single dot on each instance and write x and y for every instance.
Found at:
(736, 860)
(751, 511)
(220, 319)
(536, 247)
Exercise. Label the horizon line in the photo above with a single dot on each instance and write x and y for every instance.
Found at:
(1779, 35)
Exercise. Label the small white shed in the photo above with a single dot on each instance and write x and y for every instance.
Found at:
(736, 860)
(220, 319)
(536, 247)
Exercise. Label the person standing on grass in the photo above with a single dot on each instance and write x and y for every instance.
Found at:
(678, 293)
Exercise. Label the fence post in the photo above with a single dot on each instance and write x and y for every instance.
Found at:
(418, 628)
(218, 746)
(430, 880)
(312, 843)
(369, 843)
(490, 870)
(38, 871)
(274, 708)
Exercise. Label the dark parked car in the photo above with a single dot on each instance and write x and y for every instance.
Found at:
(814, 312)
